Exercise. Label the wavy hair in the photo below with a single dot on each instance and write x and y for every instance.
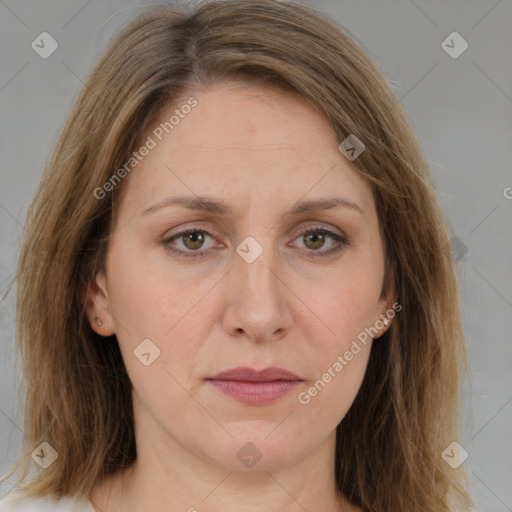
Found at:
(76, 390)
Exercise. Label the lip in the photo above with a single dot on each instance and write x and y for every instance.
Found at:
(255, 387)
(246, 374)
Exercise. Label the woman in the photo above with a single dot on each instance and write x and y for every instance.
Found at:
(236, 290)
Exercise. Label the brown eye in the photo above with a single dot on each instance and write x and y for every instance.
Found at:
(314, 240)
(193, 240)
(188, 243)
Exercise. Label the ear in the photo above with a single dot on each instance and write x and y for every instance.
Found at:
(388, 305)
(97, 306)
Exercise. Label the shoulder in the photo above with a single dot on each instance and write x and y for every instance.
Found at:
(16, 503)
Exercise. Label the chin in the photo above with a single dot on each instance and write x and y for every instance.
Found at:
(257, 450)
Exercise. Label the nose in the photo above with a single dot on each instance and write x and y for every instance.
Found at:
(258, 299)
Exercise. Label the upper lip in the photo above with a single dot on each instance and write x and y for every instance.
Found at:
(246, 374)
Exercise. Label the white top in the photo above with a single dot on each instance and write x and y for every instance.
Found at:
(44, 505)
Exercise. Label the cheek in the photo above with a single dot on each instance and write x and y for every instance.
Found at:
(145, 296)
(151, 303)
(340, 357)
(345, 305)
(328, 398)
(340, 340)
(353, 311)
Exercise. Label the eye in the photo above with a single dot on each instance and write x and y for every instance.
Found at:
(315, 238)
(192, 240)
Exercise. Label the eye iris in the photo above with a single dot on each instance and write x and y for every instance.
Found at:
(196, 239)
(318, 240)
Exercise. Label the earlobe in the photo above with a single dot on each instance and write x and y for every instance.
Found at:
(387, 313)
(382, 325)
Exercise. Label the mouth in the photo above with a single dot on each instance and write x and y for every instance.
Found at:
(255, 387)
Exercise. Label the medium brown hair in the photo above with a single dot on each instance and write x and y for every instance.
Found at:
(76, 389)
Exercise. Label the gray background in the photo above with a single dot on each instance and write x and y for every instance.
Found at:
(462, 113)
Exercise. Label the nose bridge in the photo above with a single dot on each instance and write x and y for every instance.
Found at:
(258, 299)
(255, 270)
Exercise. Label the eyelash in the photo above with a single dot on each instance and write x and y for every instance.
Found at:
(342, 242)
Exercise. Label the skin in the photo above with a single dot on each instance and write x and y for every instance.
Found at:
(260, 151)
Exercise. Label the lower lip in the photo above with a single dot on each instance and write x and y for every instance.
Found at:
(255, 393)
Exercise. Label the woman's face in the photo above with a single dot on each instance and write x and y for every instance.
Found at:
(267, 278)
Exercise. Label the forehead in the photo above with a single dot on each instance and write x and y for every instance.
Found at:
(242, 141)
(256, 118)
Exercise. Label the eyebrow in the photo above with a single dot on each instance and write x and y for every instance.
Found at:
(210, 205)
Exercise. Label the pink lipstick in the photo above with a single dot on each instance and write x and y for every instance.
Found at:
(255, 387)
